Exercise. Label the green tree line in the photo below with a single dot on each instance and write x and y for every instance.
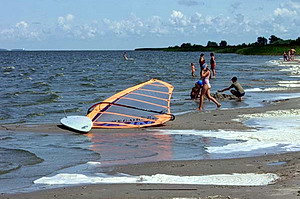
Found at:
(262, 46)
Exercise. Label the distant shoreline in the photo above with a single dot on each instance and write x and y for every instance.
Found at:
(243, 50)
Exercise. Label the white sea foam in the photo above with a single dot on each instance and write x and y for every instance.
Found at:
(266, 89)
(273, 129)
(289, 84)
(235, 179)
(269, 114)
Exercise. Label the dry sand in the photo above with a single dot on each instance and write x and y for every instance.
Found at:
(286, 187)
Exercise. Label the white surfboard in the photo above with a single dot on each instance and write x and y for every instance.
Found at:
(78, 123)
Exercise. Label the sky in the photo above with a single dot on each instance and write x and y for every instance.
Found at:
(131, 24)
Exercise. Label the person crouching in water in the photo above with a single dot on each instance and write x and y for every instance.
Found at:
(205, 74)
(196, 90)
(238, 92)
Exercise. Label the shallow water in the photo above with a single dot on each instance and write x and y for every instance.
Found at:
(38, 86)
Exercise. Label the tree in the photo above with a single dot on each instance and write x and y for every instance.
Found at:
(297, 41)
(273, 39)
(186, 45)
(223, 43)
(211, 44)
(262, 41)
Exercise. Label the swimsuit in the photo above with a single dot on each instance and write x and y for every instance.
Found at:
(201, 62)
(212, 63)
(206, 81)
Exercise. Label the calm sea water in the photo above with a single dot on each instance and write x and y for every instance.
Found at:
(36, 88)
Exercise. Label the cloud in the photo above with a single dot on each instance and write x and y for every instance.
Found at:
(20, 31)
(281, 20)
(65, 22)
(67, 27)
(178, 19)
(156, 26)
(286, 18)
(131, 26)
(284, 12)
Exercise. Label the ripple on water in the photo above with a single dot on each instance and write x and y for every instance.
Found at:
(12, 159)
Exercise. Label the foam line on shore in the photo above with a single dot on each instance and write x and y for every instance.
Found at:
(278, 129)
(235, 179)
(270, 114)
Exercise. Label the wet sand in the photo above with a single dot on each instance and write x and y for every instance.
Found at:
(286, 187)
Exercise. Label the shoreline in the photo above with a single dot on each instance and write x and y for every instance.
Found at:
(286, 187)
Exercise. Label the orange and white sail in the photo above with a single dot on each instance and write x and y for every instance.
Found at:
(146, 104)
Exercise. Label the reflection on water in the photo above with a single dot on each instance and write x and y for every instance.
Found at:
(128, 148)
(148, 146)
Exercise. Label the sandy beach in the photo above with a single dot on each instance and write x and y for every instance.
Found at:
(286, 187)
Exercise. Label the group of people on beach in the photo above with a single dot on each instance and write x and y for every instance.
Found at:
(202, 63)
(290, 55)
(202, 87)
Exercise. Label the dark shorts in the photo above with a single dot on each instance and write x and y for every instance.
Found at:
(237, 94)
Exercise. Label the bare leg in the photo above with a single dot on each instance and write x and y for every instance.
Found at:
(202, 93)
(212, 98)
(236, 94)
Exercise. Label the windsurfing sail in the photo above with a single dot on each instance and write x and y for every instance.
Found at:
(146, 104)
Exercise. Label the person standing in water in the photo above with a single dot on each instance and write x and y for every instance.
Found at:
(238, 89)
(125, 56)
(213, 64)
(285, 57)
(206, 88)
(201, 62)
(193, 69)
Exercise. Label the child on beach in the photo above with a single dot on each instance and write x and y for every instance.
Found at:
(196, 90)
(205, 74)
(238, 92)
(193, 69)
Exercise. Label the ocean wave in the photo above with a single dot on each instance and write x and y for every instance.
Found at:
(88, 84)
(11, 159)
(8, 68)
(4, 116)
(6, 167)
(37, 99)
(88, 79)
(40, 84)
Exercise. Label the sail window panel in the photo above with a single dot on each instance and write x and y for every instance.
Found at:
(107, 117)
(128, 111)
(123, 113)
(156, 88)
(148, 99)
(154, 94)
(142, 105)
